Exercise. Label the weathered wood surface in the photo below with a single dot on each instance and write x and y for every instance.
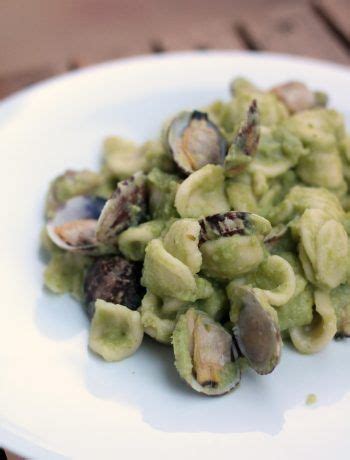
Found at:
(336, 13)
(297, 28)
(40, 38)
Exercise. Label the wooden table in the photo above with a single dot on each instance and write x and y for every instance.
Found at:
(42, 38)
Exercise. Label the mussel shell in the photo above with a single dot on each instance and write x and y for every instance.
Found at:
(126, 207)
(194, 141)
(113, 279)
(73, 228)
(257, 335)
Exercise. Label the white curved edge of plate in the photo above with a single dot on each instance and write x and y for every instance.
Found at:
(11, 437)
(101, 67)
(23, 444)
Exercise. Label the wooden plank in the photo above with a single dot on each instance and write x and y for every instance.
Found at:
(338, 13)
(216, 34)
(293, 27)
(37, 32)
(194, 24)
(55, 32)
(16, 81)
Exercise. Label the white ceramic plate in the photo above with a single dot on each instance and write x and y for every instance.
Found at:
(56, 398)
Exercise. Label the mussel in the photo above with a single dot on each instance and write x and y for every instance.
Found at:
(195, 141)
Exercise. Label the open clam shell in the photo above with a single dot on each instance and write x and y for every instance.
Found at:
(73, 228)
(205, 354)
(195, 141)
(126, 207)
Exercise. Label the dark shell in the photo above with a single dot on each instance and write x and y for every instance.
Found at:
(232, 223)
(194, 141)
(126, 207)
(225, 224)
(341, 335)
(113, 279)
(73, 228)
(245, 143)
(257, 335)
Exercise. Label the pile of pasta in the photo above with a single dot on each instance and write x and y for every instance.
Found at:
(222, 238)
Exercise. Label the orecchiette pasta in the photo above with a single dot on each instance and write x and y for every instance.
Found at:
(297, 311)
(216, 305)
(241, 197)
(340, 298)
(157, 322)
(162, 190)
(202, 193)
(181, 240)
(167, 276)
(280, 277)
(123, 158)
(227, 258)
(133, 241)
(315, 336)
(226, 234)
(323, 169)
(300, 198)
(331, 254)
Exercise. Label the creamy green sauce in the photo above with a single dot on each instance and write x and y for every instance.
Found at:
(269, 214)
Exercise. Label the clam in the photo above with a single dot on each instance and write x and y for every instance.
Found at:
(245, 143)
(297, 97)
(125, 208)
(205, 354)
(73, 228)
(113, 279)
(68, 185)
(232, 223)
(195, 141)
(257, 333)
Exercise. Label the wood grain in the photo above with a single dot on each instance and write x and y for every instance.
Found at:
(293, 28)
(338, 13)
(55, 32)
(39, 38)
(18, 80)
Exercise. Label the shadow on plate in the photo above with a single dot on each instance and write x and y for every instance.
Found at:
(59, 317)
(149, 382)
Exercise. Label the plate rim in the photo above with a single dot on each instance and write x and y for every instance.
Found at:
(120, 62)
(11, 436)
